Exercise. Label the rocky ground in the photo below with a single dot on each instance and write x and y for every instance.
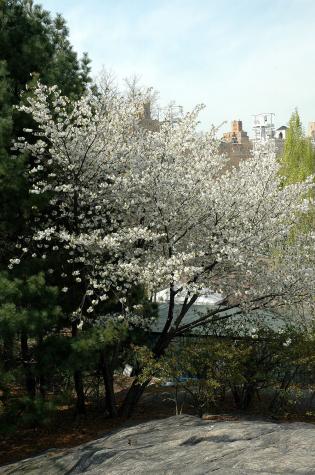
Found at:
(186, 445)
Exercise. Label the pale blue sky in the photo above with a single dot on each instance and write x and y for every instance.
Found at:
(239, 57)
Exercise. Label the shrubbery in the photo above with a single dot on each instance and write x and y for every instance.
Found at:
(271, 373)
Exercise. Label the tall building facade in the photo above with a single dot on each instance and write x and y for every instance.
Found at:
(236, 144)
(311, 130)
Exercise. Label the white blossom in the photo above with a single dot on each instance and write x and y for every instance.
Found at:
(14, 262)
(160, 209)
(287, 342)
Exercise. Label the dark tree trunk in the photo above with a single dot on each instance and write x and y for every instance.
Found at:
(137, 389)
(278, 398)
(133, 396)
(30, 382)
(236, 396)
(8, 343)
(41, 378)
(77, 375)
(42, 386)
(107, 373)
(248, 395)
(78, 381)
(78, 384)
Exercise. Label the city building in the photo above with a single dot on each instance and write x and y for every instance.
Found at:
(311, 130)
(152, 120)
(146, 119)
(281, 132)
(237, 134)
(236, 144)
(265, 132)
(263, 128)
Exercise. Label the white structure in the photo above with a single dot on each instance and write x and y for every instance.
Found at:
(265, 133)
(264, 129)
(281, 132)
(208, 301)
(311, 132)
(171, 113)
(206, 298)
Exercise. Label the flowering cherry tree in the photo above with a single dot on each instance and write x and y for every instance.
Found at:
(158, 208)
(81, 150)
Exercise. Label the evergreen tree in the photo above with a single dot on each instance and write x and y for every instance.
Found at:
(33, 45)
(28, 314)
(298, 160)
(34, 42)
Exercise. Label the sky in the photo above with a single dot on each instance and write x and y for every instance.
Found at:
(238, 57)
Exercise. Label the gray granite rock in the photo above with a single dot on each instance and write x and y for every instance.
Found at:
(185, 445)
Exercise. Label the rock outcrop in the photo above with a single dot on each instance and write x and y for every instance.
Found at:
(185, 445)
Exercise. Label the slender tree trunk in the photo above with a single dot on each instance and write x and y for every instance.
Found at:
(78, 384)
(41, 378)
(248, 395)
(278, 398)
(78, 381)
(8, 343)
(107, 373)
(30, 382)
(132, 398)
(42, 386)
(137, 389)
(236, 396)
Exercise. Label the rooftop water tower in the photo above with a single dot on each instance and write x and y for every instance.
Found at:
(264, 128)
